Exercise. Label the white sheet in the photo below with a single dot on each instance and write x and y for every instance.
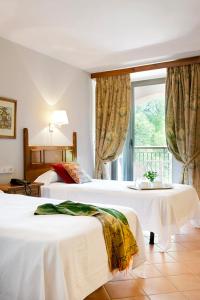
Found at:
(160, 211)
(54, 257)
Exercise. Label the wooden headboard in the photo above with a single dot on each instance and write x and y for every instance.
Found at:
(38, 159)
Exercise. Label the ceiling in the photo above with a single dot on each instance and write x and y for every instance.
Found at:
(97, 35)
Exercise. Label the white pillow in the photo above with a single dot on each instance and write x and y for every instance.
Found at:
(48, 177)
(1, 192)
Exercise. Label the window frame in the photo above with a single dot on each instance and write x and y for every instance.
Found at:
(128, 152)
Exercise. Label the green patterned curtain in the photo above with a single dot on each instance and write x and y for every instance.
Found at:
(183, 120)
(113, 100)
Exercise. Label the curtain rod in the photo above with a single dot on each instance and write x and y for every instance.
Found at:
(167, 64)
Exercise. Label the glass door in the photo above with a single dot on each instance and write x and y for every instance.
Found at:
(145, 147)
(150, 150)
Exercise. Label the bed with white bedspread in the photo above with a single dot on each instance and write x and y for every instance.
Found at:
(53, 257)
(160, 211)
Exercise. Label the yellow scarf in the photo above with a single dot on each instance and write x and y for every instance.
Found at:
(120, 242)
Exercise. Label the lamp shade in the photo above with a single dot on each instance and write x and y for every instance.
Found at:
(59, 117)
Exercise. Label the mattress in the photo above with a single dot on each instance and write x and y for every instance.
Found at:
(160, 211)
(53, 257)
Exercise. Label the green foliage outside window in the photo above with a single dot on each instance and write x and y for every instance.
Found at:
(150, 123)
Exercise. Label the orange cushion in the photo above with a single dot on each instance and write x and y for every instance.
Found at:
(76, 173)
(61, 171)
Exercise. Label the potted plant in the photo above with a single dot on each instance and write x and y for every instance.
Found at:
(150, 175)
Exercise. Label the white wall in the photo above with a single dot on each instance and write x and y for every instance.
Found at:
(41, 84)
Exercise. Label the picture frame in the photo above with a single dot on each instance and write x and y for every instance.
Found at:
(8, 114)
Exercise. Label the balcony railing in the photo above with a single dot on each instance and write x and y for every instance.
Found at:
(154, 158)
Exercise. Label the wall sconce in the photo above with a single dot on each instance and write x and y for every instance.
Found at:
(59, 118)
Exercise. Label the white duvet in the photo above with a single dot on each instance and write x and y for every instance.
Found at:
(160, 211)
(55, 257)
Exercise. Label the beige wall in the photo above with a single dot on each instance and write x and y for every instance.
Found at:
(41, 84)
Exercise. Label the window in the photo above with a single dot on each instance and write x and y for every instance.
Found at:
(145, 147)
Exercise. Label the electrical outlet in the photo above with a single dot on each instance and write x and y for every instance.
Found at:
(7, 170)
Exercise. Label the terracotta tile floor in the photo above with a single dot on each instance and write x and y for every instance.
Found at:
(165, 276)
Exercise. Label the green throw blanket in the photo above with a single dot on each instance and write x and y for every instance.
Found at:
(120, 242)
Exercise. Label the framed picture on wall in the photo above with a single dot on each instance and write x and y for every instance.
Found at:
(8, 109)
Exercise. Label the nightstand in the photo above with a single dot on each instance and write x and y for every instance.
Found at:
(32, 189)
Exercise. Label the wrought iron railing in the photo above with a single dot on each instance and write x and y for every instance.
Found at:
(154, 158)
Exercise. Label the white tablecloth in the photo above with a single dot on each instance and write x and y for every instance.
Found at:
(55, 257)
